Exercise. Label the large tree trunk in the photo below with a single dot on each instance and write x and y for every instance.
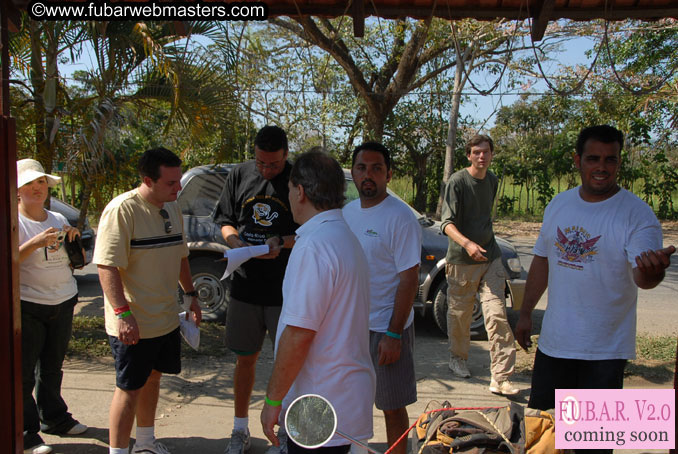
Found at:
(420, 161)
(50, 93)
(38, 83)
(451, 142)
(44, 85)
(84, 204)
(375, 125)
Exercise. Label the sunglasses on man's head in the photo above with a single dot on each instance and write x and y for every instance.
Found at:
(165, 216)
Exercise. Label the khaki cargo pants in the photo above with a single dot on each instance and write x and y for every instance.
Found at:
(488, 281)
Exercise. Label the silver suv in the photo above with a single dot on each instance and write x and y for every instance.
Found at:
(201, 190)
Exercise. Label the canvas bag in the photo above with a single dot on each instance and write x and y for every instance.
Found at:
(511, 429)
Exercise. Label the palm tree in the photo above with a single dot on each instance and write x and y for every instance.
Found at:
(136, 63)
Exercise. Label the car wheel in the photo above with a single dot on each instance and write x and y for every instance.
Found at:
(212, 291)
(440, 311)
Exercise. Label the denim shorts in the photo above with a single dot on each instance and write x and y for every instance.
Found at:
(134, 363)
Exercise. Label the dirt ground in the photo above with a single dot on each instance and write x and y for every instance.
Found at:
(195, 411)
(509, 229)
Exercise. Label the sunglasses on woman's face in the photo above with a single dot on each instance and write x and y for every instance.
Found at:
(168, 224)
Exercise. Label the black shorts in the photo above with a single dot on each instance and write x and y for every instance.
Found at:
(134, 363)
(549, 374)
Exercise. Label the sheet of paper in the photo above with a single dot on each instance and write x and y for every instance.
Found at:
(189, 331)
(238, 256)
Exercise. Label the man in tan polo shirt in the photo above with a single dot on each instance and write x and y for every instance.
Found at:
(141, 253)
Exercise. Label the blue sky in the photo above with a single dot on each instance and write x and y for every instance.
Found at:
(481, 107)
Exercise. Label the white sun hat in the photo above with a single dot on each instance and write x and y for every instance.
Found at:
(28, 170)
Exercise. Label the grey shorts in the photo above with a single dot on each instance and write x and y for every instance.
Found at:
(396, 383)
(246, 326)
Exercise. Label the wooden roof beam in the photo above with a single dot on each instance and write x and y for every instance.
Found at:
(540, 19)
(490, 13)
(358, 13)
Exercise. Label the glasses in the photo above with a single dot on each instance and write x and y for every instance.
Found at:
(275, 165)
(165, 216)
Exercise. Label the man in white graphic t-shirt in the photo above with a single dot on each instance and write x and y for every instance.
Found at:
(598, 244)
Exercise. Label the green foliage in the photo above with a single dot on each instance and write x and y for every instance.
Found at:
(404, 188)
(149, 87)
(89, 337)
(505, 204)
(658, 348)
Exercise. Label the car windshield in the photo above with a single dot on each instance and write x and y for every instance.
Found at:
(200, 195)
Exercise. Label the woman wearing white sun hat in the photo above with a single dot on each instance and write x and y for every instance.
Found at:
(48, 295)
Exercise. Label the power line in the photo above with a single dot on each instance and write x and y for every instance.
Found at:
(443, 93)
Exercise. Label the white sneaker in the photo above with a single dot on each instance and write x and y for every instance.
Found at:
(282, 449)
(240, 442)
(77, 429)
(504, 388)
(39, 449)
(458, 367)
(155, 448)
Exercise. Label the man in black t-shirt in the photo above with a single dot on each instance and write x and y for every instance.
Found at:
(254, 209)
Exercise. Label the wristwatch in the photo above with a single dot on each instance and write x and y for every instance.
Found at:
(281, 240)
(191, 293)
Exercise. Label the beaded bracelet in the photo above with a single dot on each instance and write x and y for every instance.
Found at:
(393, 335)
(273, 403)
(124, 314)
(121, 309)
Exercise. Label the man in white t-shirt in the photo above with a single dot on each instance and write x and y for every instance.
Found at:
(598, 244)
(322, 340)
(390, 236)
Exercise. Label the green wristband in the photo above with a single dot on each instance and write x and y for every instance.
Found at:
(273, 403)
(124, 314)
(394, 335)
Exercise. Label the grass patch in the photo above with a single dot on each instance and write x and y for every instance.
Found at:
(657, 348)
(89, 339)
(403, 187)
(655, 358)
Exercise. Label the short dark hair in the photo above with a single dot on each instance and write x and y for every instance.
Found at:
(271, 138)
(477, 140)
(150, 162)
(373, 146)
(321, 177)
(601, 133)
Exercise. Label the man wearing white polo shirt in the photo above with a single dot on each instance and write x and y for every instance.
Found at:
(322, 342)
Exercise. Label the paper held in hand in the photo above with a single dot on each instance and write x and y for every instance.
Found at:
(189, 331)
(238, 256)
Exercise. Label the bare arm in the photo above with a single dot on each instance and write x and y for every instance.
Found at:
(537, 281)
(293, 348)
(42, 239)
(111, 284)
(389, 347)
(186, 282)
(651, 267)
(473, 249)
(231, 237)
(233, 240)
